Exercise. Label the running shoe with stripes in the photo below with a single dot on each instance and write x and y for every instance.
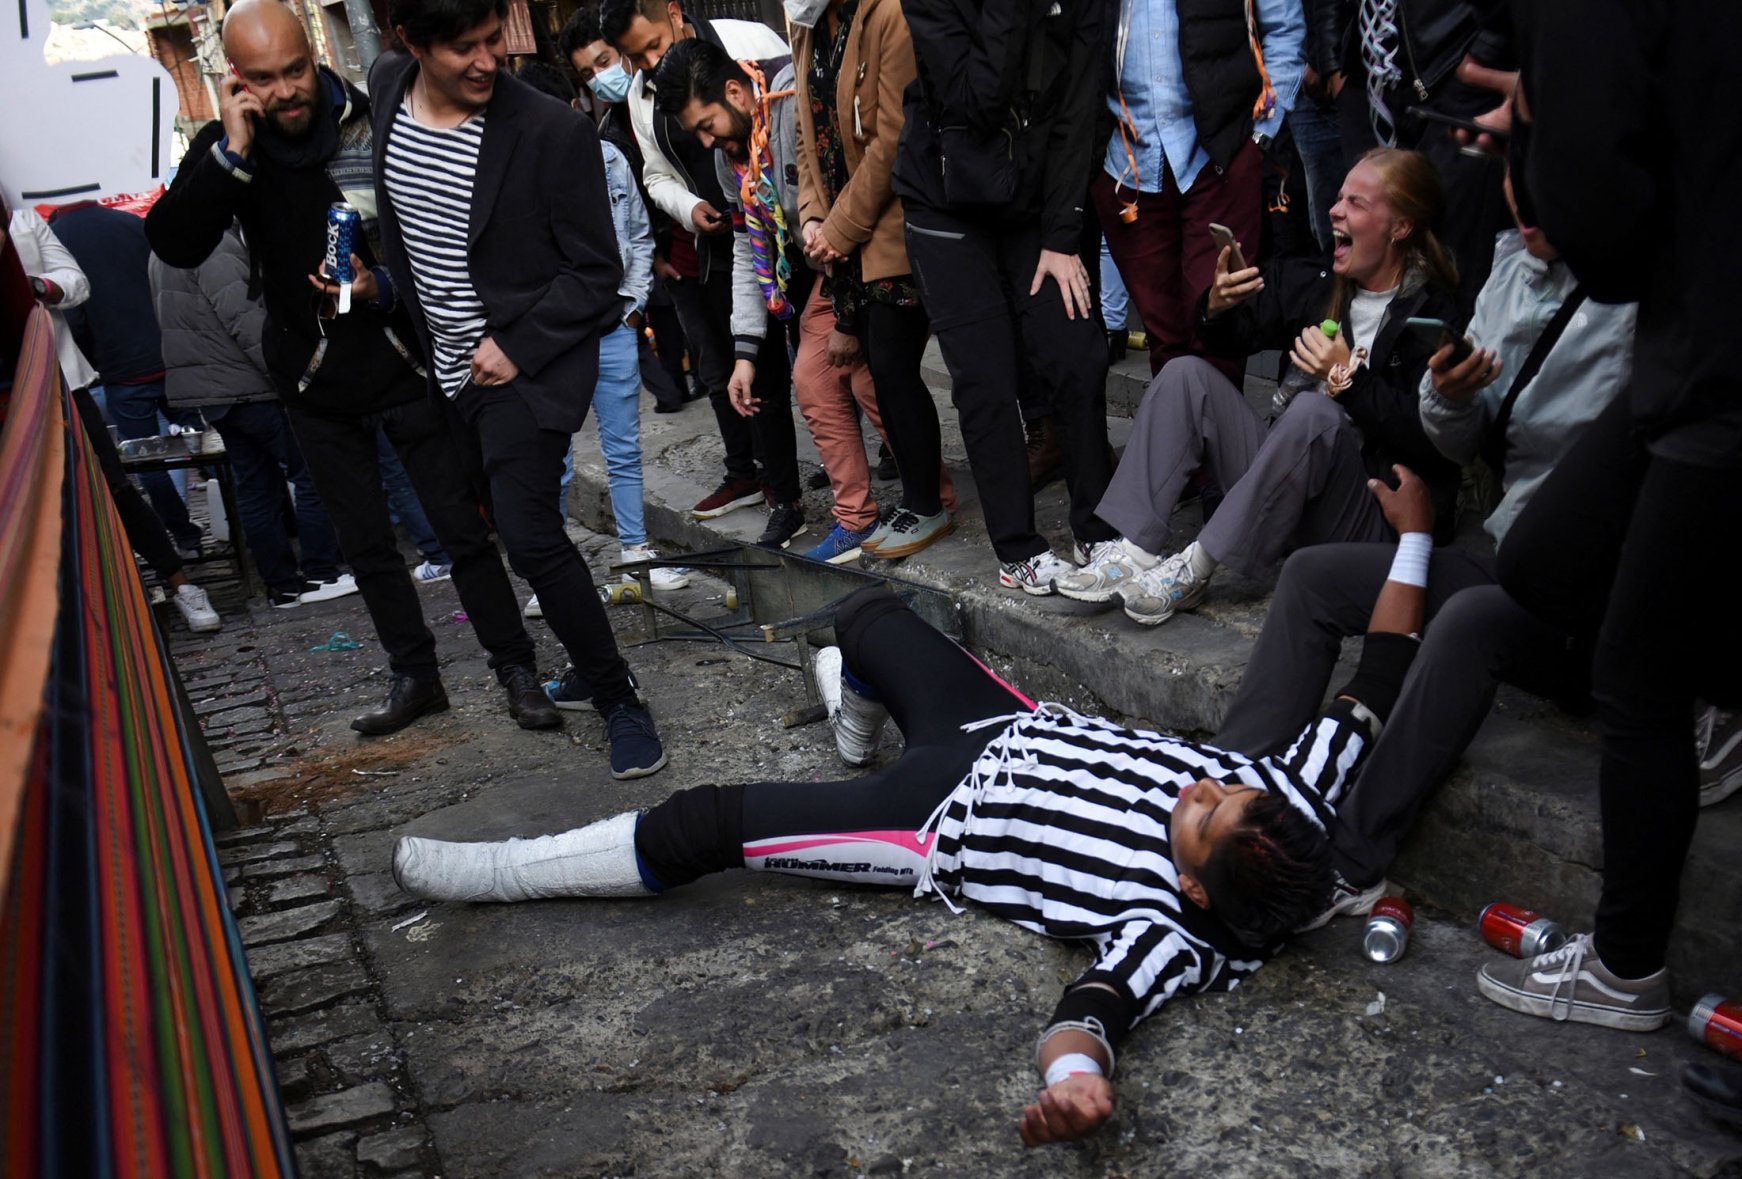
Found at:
(1035, 575)
(1112, 565)
(1157, 594)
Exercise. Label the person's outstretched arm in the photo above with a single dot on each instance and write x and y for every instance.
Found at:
(1323, 759)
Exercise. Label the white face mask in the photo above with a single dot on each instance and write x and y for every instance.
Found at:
(805, 13)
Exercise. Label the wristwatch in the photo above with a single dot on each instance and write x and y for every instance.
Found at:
(38, 287)
(1262, 140)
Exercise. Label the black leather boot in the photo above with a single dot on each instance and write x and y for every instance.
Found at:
(408, 699)
(527, 702)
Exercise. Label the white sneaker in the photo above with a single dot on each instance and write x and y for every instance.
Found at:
(857, 720)
(1348, 901)
(429, 572)
(1112, 565)
(1157, 594)
(196, 609)
(1035, 575)
(533, 609)
(663, 578)
(322, 591)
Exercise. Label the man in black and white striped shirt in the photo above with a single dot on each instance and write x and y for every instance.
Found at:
(497, 225)
(1179, 865)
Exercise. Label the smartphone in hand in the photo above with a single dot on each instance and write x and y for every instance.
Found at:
(1440, 333)
(1462, 124)
(1223, 236)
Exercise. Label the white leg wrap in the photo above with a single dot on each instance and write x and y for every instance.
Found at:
(597, 860)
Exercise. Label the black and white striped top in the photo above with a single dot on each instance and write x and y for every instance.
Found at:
(429, 176)
(1062, 827)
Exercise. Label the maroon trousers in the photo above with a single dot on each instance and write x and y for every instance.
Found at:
(1166, 255)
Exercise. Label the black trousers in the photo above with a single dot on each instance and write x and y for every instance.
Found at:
(343, 456)
(662, 373)
(145, 532)
(931, 686)
(705, 310)
(1644, 549)
(975, 278)
(522, 468)
(894, 348)
(772, 426)
(1475, 638)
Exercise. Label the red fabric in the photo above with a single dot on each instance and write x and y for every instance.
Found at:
(683, 253)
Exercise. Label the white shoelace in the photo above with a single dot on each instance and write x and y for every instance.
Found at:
(1572, 957)
(1379, 40)
(1007, 753)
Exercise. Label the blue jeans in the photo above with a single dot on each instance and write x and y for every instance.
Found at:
(617, 409)
(1115, 299)
(263, 456)
(134, 409)
(1319, 140)
(403, 505)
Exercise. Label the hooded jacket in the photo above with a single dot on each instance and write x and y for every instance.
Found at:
(212, 330)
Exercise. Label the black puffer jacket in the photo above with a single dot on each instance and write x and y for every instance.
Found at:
(212, 329)
(1384, 400)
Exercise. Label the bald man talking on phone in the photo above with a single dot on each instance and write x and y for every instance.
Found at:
(292, 140)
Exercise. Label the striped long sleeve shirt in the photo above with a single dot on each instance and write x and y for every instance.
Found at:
(1061, 826)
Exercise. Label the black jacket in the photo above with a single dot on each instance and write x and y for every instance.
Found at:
(1632, 164)
(1384, 400)
(979, 62)
(542, 251)
(367, 360)
(115, 328)
(1221, 75)
(1433, 36)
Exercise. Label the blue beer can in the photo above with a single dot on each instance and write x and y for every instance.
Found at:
(343, 221)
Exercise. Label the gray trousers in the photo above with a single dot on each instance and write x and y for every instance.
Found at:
(1475, 637)
(1301, 483)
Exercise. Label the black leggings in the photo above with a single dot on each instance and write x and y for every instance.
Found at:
(894, 347)
(864, 829)
(1642, 551)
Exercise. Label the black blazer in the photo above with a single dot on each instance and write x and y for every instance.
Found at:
(541, 246)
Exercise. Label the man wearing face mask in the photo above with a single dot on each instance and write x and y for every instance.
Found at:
(607, 76)
(681, 182)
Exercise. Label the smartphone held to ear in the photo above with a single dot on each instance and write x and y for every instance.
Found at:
(1223, 236)
(1440, 333)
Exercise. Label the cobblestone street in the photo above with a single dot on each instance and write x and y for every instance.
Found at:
(767, 1026)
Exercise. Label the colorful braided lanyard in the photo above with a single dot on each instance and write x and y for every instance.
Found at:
(764, 218)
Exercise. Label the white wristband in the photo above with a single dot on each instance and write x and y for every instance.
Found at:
(1069, 1065)
(1409, 566)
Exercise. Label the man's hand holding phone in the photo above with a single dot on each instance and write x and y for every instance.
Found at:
(1459, 380)
(238, 107)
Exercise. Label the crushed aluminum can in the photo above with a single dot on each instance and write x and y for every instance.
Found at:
(1520, 932)
(1388, 926)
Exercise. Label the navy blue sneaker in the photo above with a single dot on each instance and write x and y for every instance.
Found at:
(840, 545)
(635, 748)
(571, 693)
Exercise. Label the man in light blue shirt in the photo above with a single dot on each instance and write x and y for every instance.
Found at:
(1195, 107)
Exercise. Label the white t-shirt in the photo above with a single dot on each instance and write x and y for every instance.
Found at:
(1365, 313)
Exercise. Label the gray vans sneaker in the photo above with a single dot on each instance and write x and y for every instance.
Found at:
(1572, 983)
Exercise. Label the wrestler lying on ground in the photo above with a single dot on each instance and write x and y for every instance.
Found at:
(1181, 865)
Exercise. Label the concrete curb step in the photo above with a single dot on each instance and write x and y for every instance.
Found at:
(1517, 821)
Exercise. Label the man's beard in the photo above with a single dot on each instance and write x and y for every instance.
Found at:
(296, 126)
(737, 144)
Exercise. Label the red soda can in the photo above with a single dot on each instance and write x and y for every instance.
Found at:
(1519, 931)
(1388, 927)
(1716, 1022)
